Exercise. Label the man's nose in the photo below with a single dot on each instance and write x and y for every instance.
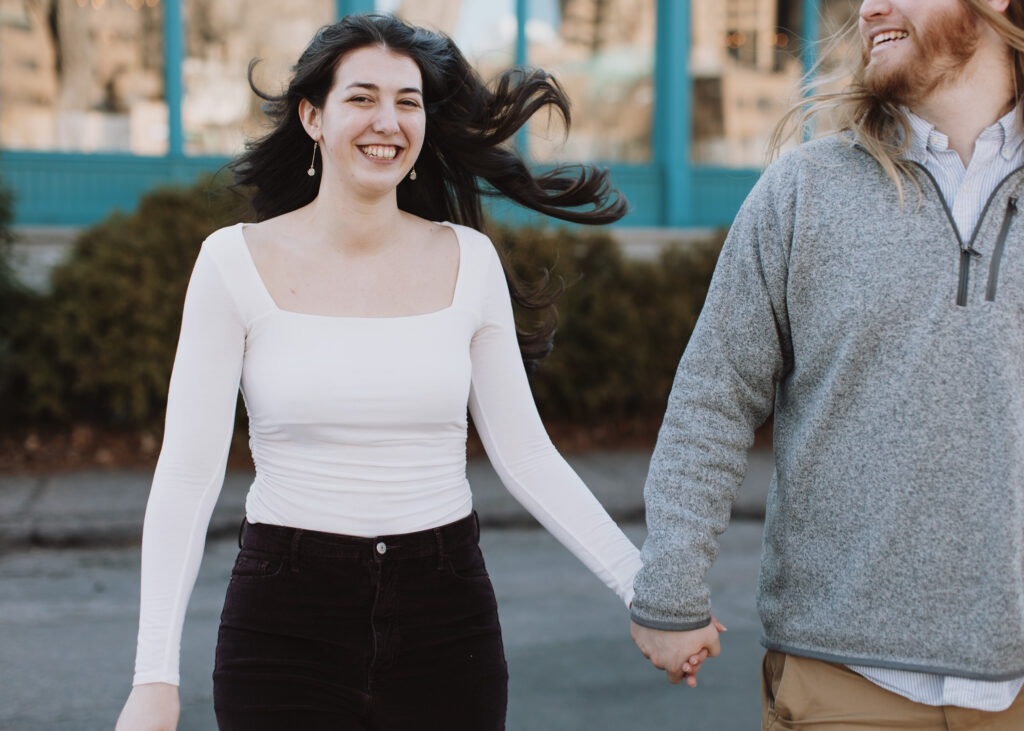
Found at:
(874, 8)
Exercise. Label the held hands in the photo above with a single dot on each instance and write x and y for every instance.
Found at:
(679, 654)
(150, 707)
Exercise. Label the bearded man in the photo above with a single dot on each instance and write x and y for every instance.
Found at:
(871, 294)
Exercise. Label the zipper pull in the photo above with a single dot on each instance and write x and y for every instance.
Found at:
(972, 251)
(1011, 204)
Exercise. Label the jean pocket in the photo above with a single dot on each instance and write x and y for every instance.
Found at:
(256, 566)
(466, 563)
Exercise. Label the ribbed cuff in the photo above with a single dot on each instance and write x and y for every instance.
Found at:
(670, 626)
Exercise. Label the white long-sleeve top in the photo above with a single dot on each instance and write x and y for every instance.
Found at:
(357, 426)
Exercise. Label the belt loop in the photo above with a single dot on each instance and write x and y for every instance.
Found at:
(241, 532)
(439, 540)
(476, 526)
(296, 539)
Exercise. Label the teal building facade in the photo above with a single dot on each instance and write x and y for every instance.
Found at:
(674, 175)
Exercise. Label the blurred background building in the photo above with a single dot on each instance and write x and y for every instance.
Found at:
(101, 100)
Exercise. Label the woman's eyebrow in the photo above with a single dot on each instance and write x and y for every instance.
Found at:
(373, 87)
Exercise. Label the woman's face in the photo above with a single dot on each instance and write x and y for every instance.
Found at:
(372, 122)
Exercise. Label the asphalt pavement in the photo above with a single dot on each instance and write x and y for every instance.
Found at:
(69, 604)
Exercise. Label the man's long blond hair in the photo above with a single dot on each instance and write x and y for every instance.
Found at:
(880, 127)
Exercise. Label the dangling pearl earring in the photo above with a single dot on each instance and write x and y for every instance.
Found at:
(412, 174)
(312, 166)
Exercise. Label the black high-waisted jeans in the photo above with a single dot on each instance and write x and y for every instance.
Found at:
(324, 631)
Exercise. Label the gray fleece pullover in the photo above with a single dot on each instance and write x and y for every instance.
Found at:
(892, 354)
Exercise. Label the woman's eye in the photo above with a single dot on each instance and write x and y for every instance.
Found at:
(410, 103)
(359, 99)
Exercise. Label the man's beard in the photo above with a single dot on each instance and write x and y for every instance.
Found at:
(939, 51)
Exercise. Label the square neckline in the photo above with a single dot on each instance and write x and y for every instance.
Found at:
(275, 308)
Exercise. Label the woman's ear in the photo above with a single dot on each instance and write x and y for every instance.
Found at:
(999, 6)
(310, 118)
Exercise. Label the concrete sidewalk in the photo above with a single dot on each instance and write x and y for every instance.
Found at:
(106, 507)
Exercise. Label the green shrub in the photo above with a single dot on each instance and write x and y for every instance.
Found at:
(623, 324)
(100, 346)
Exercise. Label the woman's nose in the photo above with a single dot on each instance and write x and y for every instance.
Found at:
(386, 121)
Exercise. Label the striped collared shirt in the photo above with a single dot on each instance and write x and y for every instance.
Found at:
(998, 151)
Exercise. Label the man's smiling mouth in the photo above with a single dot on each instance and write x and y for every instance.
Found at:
(888, 36)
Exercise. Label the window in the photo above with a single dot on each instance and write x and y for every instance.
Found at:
(219, 110)
(485, 32)
(602, 52)
(745, 66)
(82, 76)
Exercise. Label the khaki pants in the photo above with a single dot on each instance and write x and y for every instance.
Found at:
(805, 694)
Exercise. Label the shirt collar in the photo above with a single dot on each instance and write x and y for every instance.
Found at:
(925, 139)
(1013, 132)
(921, 137)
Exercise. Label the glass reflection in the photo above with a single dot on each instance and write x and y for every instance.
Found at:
(602, 52)
(219, 111)
(485, 32)
(82, 76)
(745, 68)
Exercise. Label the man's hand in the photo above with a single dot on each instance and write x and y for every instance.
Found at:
(679, 654)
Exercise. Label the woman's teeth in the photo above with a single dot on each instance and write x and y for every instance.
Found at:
(380, 152)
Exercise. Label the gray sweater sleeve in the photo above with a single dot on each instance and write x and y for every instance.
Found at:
(723, 390)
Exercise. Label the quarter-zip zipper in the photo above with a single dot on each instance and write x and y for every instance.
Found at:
(965, 274)
(967, 252)
(997, 252)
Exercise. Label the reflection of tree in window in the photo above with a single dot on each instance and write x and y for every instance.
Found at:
(587, 21)
(97, 75)
(602, 52)
(219, 111)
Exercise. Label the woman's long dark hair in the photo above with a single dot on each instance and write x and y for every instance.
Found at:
(464, 155)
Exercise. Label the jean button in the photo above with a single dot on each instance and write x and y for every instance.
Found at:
(382, 548)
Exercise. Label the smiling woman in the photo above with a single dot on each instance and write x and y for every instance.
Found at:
(362, 314)
(380, 122)
(465, 151)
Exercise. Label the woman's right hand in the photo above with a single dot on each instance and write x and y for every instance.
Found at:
(150, 707)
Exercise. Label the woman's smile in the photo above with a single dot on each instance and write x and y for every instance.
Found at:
(380, 152)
